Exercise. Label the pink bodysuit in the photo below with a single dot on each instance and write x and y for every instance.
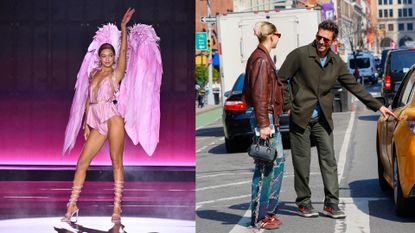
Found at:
(102, 104)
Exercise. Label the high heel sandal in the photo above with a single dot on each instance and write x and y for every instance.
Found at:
(118, 187)
(72, 202)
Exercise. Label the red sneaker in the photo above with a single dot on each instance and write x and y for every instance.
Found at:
(270, 222)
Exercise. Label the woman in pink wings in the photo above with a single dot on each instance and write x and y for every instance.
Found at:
(102, 121)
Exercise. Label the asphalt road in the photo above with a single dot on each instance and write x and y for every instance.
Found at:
(223, 183)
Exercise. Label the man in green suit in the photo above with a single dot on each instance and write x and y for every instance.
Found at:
(308, 75)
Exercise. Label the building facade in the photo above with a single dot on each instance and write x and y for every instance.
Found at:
(396, 23)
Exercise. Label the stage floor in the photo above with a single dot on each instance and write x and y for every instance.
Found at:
(98, 225)
(148, 206)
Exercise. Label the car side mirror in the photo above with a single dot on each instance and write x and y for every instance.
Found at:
(227, 94)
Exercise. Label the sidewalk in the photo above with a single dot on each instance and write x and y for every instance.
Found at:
(207, 115)
(207, 108)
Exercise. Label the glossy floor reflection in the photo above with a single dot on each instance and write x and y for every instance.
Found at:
(98, 225)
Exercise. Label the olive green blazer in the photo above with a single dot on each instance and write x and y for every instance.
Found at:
(307, 83)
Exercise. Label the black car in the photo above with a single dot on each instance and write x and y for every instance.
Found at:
(397, 63)
(382, 61)
(236, 120)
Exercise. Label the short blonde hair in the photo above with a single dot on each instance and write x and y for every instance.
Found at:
(263, 29)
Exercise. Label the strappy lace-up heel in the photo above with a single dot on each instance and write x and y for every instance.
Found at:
(72, 202)
(118, 188)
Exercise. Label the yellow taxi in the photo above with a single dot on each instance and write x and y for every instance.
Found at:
(396, 147)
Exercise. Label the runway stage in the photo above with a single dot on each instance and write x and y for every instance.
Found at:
(154, 200)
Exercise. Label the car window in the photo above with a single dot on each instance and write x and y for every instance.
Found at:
(239, 84)
(401, 61)
(360, 63)
(413, 88)
(404, 91)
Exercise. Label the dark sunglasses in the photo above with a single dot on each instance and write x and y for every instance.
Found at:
(278, 34)
(326, 40)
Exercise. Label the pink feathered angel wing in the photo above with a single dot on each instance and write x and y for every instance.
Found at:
(139, 100)
(107, 34)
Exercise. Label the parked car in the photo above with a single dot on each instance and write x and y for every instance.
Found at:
(236, 117)
(340, 98)
(395, 147)
(397, 63)
(382, 61)
(364, 62)
(236, 120)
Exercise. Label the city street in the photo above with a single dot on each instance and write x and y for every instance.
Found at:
(223, 182)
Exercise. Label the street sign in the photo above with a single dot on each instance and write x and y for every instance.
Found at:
(201, 41)
(206, 19)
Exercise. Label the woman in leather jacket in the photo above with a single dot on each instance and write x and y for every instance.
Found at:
(264, 92)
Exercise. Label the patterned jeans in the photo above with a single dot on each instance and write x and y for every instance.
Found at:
(267, 181)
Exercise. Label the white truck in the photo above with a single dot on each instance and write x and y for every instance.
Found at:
(237, 40)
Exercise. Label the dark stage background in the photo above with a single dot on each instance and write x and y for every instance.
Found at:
(43, 45)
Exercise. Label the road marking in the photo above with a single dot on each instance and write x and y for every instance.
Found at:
(210, 144)
(224, 174)
(242, 225)
(222, 185)
(357, 211)
(202, 148)
(249, 173)
(199, 204)
(343, 151)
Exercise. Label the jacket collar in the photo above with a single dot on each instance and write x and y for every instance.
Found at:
(312, 52)
(264, 50)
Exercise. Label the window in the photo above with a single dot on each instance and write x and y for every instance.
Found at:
(390, 13)
(390, 27)
(379, 2)
(401, 27)
(361, 63)
(385, 2)
(399, 13)
(410, 12)
(380, 14)
(410, 26)
(390, 2)
(385, 13)
(382, 26)
(399, 1)
(405, 12)
(409, 1)
(407, 89)
(404, 1)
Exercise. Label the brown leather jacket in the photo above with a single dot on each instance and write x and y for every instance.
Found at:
(262, 89)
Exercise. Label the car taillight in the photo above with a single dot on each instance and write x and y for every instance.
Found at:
(410, 122)
(232, 105)
(388, 82)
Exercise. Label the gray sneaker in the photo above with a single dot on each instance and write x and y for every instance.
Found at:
(333, 211)
(307, 211)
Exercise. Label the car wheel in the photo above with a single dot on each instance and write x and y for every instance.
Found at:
(231, 145)
(383, 184)
(402, 204)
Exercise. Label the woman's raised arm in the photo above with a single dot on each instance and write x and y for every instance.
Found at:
(122, 59)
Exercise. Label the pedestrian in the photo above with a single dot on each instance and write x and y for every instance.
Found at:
(264, 92)
(308, 74)
(356, 74)
(201, 97)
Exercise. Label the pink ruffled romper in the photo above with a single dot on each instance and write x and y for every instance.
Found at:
(102, 104)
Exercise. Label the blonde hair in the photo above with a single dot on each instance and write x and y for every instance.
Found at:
(263, 29)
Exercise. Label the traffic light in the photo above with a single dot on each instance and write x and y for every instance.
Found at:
(209, 44)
